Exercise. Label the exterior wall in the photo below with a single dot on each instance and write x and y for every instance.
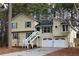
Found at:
(72, 36)
(37, 42)
(22, 36)
(58, 31)
(45, 35)
(66, 40)
(14, 42)
(76, 40)
(20, 20)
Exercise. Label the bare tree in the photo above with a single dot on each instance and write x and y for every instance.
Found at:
(71, 17)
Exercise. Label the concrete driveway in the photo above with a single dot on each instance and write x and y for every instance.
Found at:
(33, 52)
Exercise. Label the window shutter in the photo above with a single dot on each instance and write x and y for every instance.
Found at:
(16, 25)
(25, 24)
(12, 25)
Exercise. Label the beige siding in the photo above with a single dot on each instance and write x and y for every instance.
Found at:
(46, 35)
(20, 20)
(58, 31)
(39, 42)
(22, 36)
(72, 36)
(14, 42)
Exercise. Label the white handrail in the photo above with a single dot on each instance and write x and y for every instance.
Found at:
(32, 35)
(33, 38)
(30, 38)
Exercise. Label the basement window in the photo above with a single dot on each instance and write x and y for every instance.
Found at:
(15, 35)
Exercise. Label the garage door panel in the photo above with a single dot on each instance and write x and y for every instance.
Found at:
(59, 43)
(54, 43)
(47, 43)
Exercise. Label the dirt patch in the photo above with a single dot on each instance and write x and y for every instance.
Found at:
(9, 50)
(65, 52)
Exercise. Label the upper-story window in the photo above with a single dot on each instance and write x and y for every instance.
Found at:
(27, 24)
(14, 25)
(47, 29)
(64, 27)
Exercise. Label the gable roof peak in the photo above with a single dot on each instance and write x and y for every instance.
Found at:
(23, 15)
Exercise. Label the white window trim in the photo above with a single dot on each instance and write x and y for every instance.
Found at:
(50, 31)
(65, 28)
(14, 25)
(26, 24)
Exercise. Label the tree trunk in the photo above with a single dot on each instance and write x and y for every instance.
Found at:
(9, 25)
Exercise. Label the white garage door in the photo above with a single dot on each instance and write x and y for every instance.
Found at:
(47, 42)
(60, 42)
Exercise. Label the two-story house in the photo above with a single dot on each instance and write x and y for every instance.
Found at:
(22, 27)
(46, 33)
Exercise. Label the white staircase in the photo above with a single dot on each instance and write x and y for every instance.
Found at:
(30, 39)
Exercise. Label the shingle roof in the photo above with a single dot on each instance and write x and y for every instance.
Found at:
(45, 22)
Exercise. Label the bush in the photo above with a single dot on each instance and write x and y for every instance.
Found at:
(35, 46)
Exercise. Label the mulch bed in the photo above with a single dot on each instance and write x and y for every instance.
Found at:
(65, 52)
(9, 50)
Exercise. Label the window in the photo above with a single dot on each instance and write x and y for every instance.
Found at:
(57, 39)
(38, 28)
(46, 29)
(64, 28)
(47, 39)
(28, 34)
(27, 24)
(14, 25)
(15, 35)
(77, 35)
(44, 39)
(60, 39)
